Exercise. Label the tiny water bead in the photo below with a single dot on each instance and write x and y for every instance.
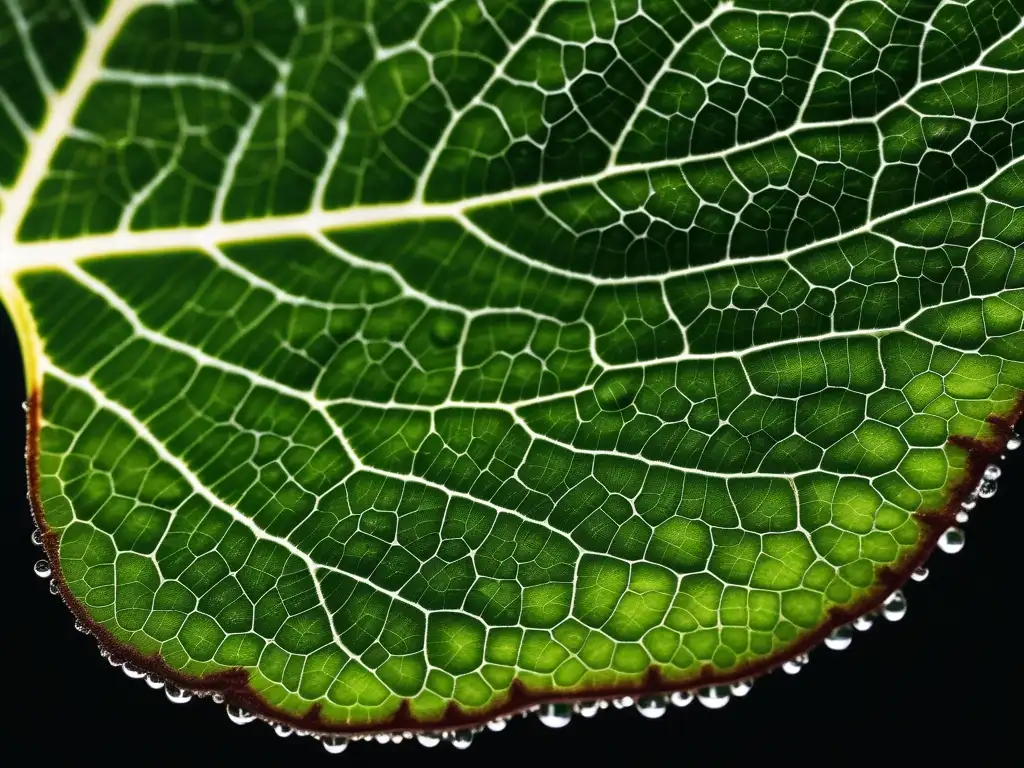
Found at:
(895, 606)
(37, 537)
(952, 541)
(588, 709)
(239, 716)
(796, 664)
(652, 707)
(992, 472)
(962, 517)
(555, 715)
(681, 698)
(1014, 442)
(382, 738)
(42, 569)
(714, 697)
(969, 503)
(840, 639)
(282, 730)
(428, 739)
(462, 739)
(177, 695)
(622, 702)
(741, 687)
(54, 589)
(920, 573)
(334, 745)
(497, 725)
(81, 627)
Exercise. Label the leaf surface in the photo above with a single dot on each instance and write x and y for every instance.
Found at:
(406, 362)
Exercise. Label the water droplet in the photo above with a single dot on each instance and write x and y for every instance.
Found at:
(133, 672)
(1013, 443)
(37, 537)
(462, 739)
(217, 698)
(895, 606)
(920, 573)
(555, 715)
(42, 569)
(715, 697)
(154, 682)
(987, 489)
(651, 707)
(113, 660)
(840, 639)
(863, 623)
(382, 738)
(962, 517)
(588, 709)
(239, 716)
(54, 589)
(428, 739)
(741, 687)
(81, 627)
(282, 730)
(497, 725)
(992, 472)
(176, 695)
(952, 541)
(622, 702)
(24, 406)
(335, 745)
(792, 667)
(681, 698)
(446, 330)
(969, 503)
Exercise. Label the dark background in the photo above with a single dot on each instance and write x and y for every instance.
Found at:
(938, 685)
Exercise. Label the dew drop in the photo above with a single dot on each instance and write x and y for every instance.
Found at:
(335, 745)
(81, 627)
(969, 503)
(497, 725)
(396, 738)
(428, 739)
(840, 639)
(217, 698)
(681, 698)
(588, 709)
(462, 739)
(741, 687)
(282, 730)
(239, 716)
(1013, 443)
(555, 715)
(715, 697)
(895, 606)
(154, 682)
(24, 406)
(42, 569)
(920, 573)
(622, 702)
(133, 672)
(792, 667)
(987, 489)
(651, 707)
(992, 472)
(962, 516)
(382, 738)
(863, 623)
(113, 660)
(54, 589)
(952, 541)
(176, 695)
(37, 537)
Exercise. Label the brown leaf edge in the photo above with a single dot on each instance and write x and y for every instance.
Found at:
(233, 684)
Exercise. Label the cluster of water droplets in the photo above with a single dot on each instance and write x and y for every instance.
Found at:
(560, 714)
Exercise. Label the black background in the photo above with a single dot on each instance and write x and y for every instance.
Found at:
(937, 685)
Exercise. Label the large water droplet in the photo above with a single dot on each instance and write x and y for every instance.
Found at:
(42, 569)
(863, 623)
(840, 639)
(555, 715)
(741, 687)
(497, 725)
(133, 672)
(651, 707)
(681, 698)
(987, 489)
(992, 472)
(462, 739)
(589, 708)
(154, 682)
(715, 697)
(37, 537)
(335, 745)
(428, 739)
(177, 695)
(920, 573)
(895, 606)
(952, 541)
(282, 730)
(239, 716)
(1013, 443)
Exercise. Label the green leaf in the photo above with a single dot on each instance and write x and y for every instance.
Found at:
(386, 357)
